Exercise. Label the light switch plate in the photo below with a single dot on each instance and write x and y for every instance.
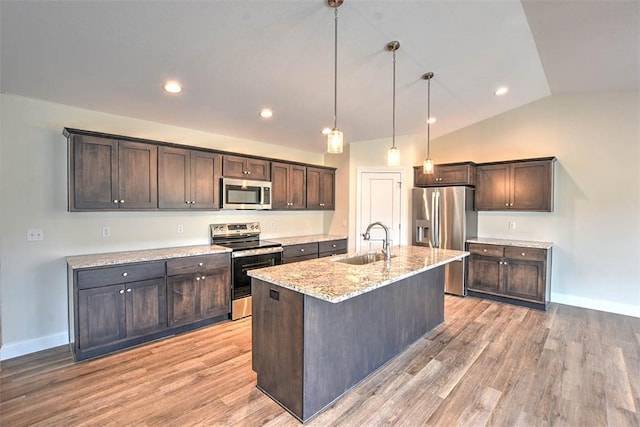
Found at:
(35, 234)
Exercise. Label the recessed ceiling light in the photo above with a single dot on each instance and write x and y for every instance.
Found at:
(326, 131)
(172, 86)
(431, 120)
(501, 90)
(265, 113)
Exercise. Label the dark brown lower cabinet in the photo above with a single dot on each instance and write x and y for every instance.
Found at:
(116, 307)
(521, 275)
(312, 250)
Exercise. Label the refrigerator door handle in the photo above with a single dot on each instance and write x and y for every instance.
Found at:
(435, 221)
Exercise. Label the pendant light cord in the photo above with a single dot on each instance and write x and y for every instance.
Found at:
(393, 127)
(335, 72)
(428, 117)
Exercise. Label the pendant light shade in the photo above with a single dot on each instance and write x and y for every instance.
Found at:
(393, 157)
(427, 165)
(335, 139)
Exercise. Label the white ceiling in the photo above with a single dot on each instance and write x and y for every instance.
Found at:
(235, 57)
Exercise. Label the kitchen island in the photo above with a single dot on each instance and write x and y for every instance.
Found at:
(319, 327)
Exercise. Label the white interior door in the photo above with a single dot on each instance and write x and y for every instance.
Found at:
(379, 200)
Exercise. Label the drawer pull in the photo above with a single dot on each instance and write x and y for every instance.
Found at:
(125, 274)
(121, 291)
(200, 264)
(333, 246)
(301, 250)
(523, 254)
(198, 278)
(121, 201)
(484, 250)
(204, 277)
(129, 290)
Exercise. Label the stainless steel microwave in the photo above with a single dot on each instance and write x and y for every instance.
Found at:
(245, 194)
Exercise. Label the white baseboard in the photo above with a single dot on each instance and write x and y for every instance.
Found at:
(21, 348)
(595, 304)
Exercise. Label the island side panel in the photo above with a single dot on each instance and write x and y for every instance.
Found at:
(347, 341)
(277, 333)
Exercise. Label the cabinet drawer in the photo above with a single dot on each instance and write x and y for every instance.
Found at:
(332, 245)
(124, 273)
(488, 250)
(197, 264)
(299, 250)
(529, 254)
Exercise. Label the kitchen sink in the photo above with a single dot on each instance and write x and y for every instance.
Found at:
(363, 259)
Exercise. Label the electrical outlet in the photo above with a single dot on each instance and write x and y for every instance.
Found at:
(106, 231)
(35, 234)
(180, 228)
(512, 225)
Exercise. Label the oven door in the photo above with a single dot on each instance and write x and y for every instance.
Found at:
(241, 282)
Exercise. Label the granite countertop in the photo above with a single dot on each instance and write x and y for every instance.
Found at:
(509, 242)
(296, 240)
(112, 258)
(333, 281)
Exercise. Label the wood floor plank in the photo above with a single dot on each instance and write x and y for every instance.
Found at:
(489, 364)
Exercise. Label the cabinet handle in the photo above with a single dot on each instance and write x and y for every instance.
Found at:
(193, 202)
(333, 246)
(506, 204)
(204, 277)
(523, 254)
(121, 201)
(121, 291)
(198, 278)
(125, 274)
(510, 204)
(505, 263)
(322, 204)
(187, 202)
(301, 250)
(129, 290)
(200, 264)
(115, 201)
(484, 250)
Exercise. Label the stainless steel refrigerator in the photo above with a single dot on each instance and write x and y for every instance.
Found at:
(443, 217)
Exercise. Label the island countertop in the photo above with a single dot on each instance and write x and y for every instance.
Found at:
(333, 281)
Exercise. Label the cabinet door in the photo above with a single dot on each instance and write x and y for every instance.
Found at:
(320, 189)
(205, 180)
(215, 293)
(258, 169)
(485, 274)
(234, 167)
(525, 279)
(101, 316)
(174, 178)
(95, 173)
(492, 187)
(531, 186)
(298, 187)
(455, 175)
(279, 185)
(421, 179)
(183, 303)
(137, 175)
(146, 308)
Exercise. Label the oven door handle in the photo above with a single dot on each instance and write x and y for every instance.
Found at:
(254, 252)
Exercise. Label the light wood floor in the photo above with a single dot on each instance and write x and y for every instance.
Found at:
(488, 364)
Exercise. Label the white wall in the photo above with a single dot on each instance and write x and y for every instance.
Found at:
(33, 182)
(595, 225)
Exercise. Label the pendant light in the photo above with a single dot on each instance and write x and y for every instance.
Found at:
(335, 137)
(393, 157)
(427, 166)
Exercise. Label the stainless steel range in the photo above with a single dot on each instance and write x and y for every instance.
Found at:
(248, 253)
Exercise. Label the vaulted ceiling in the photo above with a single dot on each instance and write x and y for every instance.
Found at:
(235, 57)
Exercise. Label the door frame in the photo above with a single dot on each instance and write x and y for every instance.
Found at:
(403, 209)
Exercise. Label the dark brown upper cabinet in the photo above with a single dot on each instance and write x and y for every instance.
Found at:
(520, 185)
(463, 173)
(188, 179)
(320, 188)
(108, 174)
(288, 186)
(245, 168)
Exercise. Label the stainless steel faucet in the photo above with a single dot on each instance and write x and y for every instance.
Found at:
(386, 243)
